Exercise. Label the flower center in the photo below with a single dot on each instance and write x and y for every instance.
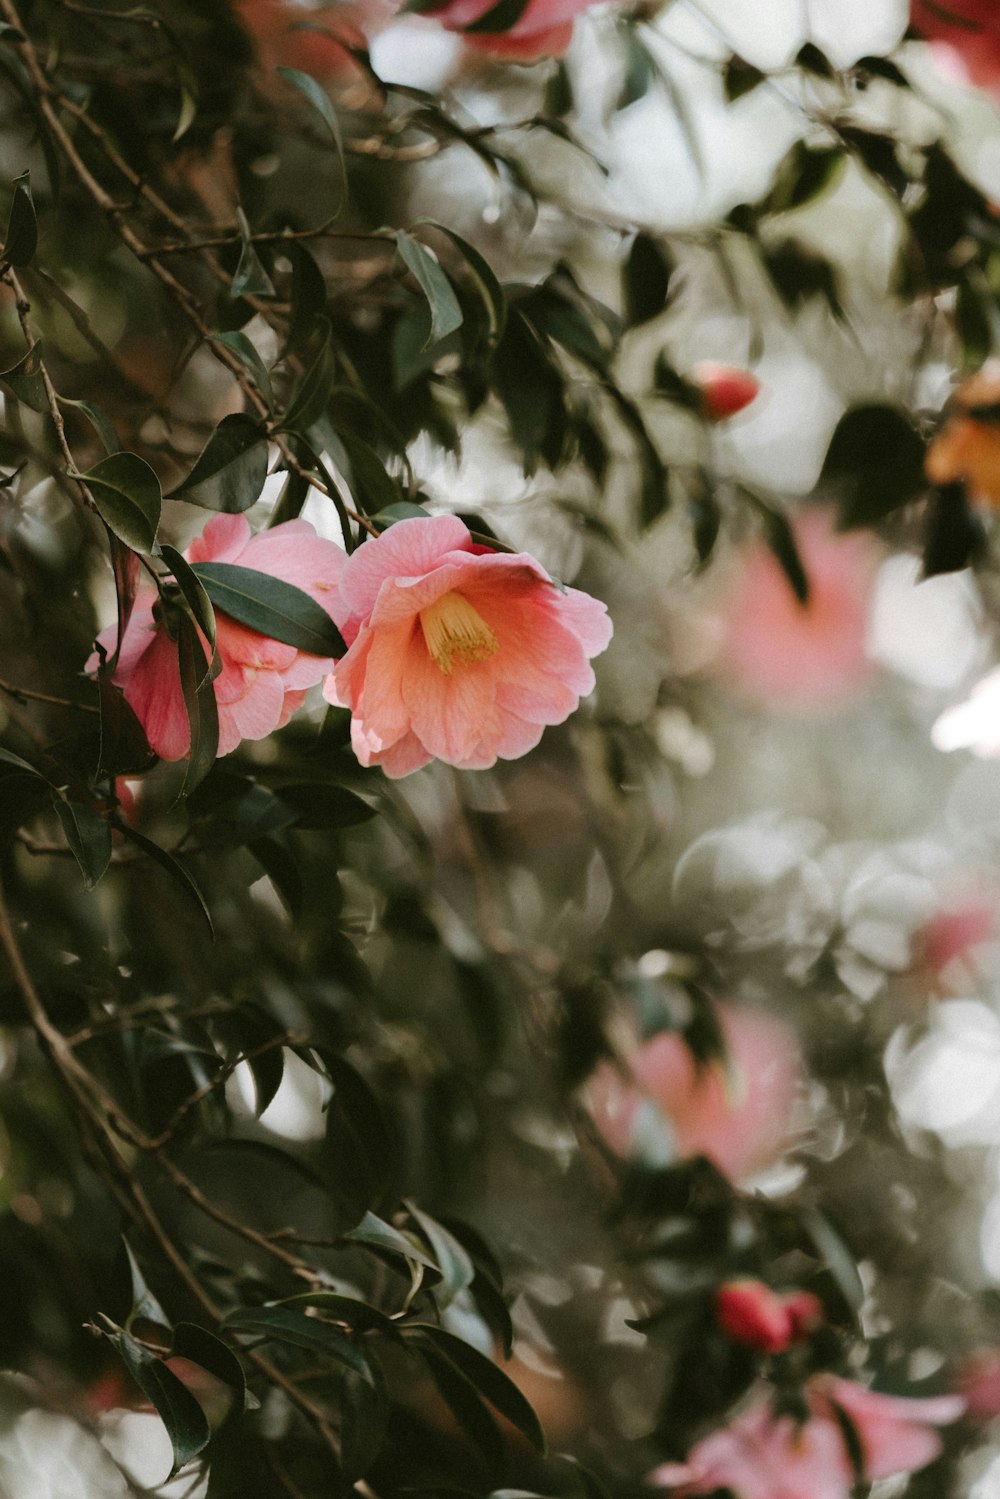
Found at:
(452, 629)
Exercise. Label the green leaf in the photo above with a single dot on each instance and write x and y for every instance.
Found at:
(740, 77)
(145, 1307)
(124, 748)
(402, 510)
(7, 757)
(25, 379)
(200, 705)
(364, 1414)
(322, 804)
(284, 1324)
(193, 590)
(250, 278)
(484, 279)
(500, 17)
(186, 1423)
(310, 398)
(99, 422)
(319, 100)
(466, 1405)
(457, 1270)
(358, 1315)
(372, 485)
(283, 871)
(237, 343)
(209, 1352)
(230, 471)
(378, 1234)
(127, 494)
(88, 835)
(780, 538)
(270, 606)
(21, 238)
(953, 533)
(174, 868)
(648, 270)
(446, 313)
(491, 1382)
(876, 461)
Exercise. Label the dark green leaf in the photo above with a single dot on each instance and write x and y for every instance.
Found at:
(88, 835)
(484, 279)
(377, 1234)
(740, 77)
(319, 100)
(803, 174)
(144, 1307)
(457, 1269)
(230, 472)
(25, 379)
(312, 394)
(358, 1315)
(466, 1405)
(124, 749)
(185, 1421)
(320, 804)
(500, 17)
(309, 299)
(781, 539)
(127, 494)
(99, 422)
(876, 460)
(648, 270)
(282, 870)
(21, 238)
(403, 510)
(195, 597)
(209, 1352)
(195, 666)
(364, 1413)
(173, 867)
(237, 343)
(446, 313)
(7, 757)
(270, 606)
(372, 486)
(284, 1324)
(250, 278)
(953, 534)
(491, 1382)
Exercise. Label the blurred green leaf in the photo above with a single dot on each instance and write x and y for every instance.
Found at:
(21, 238)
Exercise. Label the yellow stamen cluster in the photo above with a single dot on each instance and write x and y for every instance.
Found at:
(454, 632)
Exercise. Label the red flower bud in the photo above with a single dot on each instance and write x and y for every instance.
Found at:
(725, 388)
(750, 1312)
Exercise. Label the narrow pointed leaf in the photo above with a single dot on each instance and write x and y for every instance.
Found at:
(317, 97)
(25, 379)
(174, 868)
(270, 606)
(491, 1382)
(237, 343)
(88, 835)
(446, 313)
(21, 238)
(186, 1423)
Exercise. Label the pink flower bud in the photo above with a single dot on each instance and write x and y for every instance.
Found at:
(749, 1312)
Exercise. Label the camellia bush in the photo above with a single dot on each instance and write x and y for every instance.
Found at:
(499, 895)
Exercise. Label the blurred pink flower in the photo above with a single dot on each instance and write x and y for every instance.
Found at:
(543, 29)
(738, 1113)
(966, 33)
(725, 388)
(978, 1381)
(954, 931)
(764, 1456)
(802, 656)
(262, 681)
(312, 40)
(749, 1312)
(457, 652)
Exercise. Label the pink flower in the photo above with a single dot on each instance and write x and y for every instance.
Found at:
(749, 1312)
(725, 388)
(808, 657)
(262, 681)
(543, 29)
(313, 41)
(739, 1113)
(764, 1456)
(457, 652)
(966, 33)
(979, 1382)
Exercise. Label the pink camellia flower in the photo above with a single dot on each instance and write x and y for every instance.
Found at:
(807, 657)
(965, 34)
(749, 1312)
(764, 1456)
(457, 652)
(262, 681)
(725, 388)
(543, 29)
(738, 1113)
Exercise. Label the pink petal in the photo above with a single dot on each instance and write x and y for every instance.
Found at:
(447, 713)
(409, 549)
(222, 540)
(153, 692)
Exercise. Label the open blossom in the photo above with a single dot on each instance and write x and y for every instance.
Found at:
(807, 657)
(457, 652)
(967, 448)
(262, 681)
(725, 388)
(738, 1112)
(965, 34)
(749, 1312)
(761, 1455)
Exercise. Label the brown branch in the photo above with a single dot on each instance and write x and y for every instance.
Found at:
(26, 694)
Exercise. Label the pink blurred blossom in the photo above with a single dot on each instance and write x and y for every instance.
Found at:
(543, 29)
(807, 657)
(738, 1113)
(457, 652)
(978, 1380)
(314, 41)
(262, 681)
(761, 1455)
(965, 34)
(749, 1312)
